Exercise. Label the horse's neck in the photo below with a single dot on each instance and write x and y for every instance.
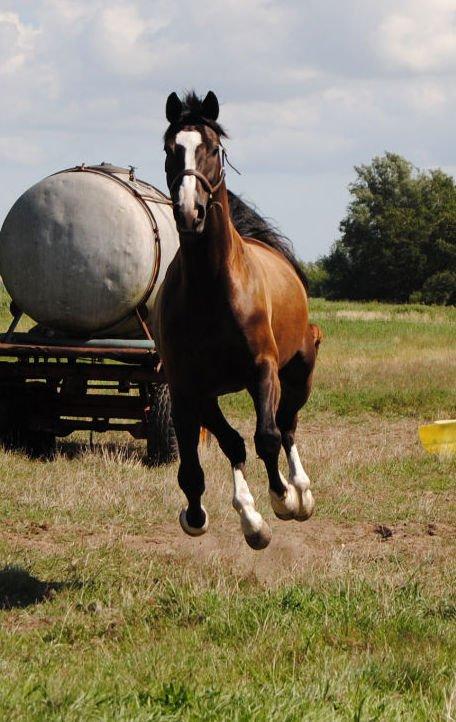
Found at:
(208, 259)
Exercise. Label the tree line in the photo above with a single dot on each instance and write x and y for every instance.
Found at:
(398, 239)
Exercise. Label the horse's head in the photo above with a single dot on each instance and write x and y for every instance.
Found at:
(193, 165)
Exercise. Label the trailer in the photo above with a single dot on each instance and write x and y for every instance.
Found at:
(83, 253)
(51, 387)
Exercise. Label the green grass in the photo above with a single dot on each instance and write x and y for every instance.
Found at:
(384, 359)
(127, 642)
(108, 612)
(390, 360)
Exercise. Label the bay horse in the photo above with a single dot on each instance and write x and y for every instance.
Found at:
(231, 314)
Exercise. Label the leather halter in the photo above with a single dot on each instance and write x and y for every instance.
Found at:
(207, 185)
(204, 181)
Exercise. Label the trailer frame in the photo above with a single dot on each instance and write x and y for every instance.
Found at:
(51, 387)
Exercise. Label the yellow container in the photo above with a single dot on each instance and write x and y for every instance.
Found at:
(439, 437)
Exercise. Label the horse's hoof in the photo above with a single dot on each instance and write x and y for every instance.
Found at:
(306, 505)
(297, 504)
(285, 507)
(259, 539)
(193, 530)
(284, 517)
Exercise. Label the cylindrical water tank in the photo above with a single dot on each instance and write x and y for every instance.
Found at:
(83, 248)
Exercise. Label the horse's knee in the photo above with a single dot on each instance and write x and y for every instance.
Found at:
(268, 442)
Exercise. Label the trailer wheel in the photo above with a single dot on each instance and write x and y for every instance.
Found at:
(36, 444)
(161, 437)
(15, 432)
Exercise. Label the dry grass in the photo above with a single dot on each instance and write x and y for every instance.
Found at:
(362, 315)
(112, 613)
(364, 474)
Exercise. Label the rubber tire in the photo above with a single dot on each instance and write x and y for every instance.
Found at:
(15, 434)
(161, 437)
(36, 444)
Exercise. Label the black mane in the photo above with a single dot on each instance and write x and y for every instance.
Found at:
(248, 222)
(192, 115)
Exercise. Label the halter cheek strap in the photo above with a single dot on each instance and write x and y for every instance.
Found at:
(207, 185)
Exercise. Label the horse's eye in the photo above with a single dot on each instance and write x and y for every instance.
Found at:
(215, 150)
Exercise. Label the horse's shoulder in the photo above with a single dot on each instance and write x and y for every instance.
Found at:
(250, 241)
(266, 254)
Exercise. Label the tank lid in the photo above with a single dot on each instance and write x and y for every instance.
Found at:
(109, 168)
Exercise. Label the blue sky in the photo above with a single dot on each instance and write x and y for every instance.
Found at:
(308, 90)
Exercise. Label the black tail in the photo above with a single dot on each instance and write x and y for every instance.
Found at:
(248, 222)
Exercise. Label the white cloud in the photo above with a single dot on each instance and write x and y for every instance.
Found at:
(427, 97)
(127, 40)
(307, 89)
(71, 11)
(421, 36)
(17, 43)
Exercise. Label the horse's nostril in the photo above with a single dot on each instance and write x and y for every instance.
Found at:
(201, 212)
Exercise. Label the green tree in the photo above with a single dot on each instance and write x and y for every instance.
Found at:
(399, 231)
(317, 277)
(439, 288)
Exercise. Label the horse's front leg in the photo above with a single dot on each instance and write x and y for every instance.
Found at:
(256, 532)
(186, 418)
(265, 392)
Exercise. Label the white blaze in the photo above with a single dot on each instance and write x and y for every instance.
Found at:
(189, 140)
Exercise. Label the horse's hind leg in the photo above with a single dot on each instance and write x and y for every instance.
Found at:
(266, 394)
(194, 520)
(256, 532)
(296, 380)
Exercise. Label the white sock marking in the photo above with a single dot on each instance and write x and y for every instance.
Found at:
(298, 501)
(243, 502)
(189, 140)
(298, 476)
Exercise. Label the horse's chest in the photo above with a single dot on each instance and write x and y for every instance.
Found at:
(210, 354)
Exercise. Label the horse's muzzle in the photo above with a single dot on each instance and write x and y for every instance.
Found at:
(190, 221)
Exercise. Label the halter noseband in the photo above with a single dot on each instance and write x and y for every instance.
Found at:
(204, 181)
(207, 185)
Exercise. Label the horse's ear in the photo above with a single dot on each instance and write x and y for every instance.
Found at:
(210, 106)
(173, 108)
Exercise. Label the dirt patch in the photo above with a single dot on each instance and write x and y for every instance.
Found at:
(319, 545)
(30, 535)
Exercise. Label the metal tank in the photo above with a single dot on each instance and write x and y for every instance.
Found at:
(81, 250)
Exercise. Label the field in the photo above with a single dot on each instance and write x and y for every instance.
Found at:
(109, 612)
